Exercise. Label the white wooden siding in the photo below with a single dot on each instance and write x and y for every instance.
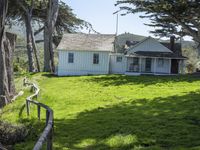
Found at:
(117, 67)
(83, 63)
(149, 45)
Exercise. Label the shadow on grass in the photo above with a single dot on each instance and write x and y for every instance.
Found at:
(164, 123)
(117, 80)
(49, 75)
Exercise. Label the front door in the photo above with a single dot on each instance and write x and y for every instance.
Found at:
(174, 66)
(148, 65)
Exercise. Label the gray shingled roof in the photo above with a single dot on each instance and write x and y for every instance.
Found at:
(177, 51)
(87, 42)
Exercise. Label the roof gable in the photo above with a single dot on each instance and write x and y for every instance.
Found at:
(149, 45)
(87, 42)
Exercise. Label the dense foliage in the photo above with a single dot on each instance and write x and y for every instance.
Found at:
(177, 17)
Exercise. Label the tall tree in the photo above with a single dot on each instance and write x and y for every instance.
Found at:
(178, 17)
(49, 65)
(66, 22)
(3, 74)
(7, 88)
(31, 45)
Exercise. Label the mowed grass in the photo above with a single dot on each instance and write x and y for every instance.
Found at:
(118, 112)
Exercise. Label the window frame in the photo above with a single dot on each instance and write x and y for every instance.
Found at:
(96, 58)
(70, 58)
(119, 60)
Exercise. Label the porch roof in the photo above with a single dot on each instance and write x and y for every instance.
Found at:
(156, 54)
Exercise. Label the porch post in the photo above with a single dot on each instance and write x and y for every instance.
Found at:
(127, 67)
(170, 65)
(140, 64)
(154, 67)
(181, 66)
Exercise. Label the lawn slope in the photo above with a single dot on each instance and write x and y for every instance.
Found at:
(121, 112)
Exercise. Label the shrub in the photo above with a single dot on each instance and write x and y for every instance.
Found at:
(190, 68)
(11, 134)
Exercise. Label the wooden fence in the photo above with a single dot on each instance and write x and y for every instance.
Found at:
(47, 134)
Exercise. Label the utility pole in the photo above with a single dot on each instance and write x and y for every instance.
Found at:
(117, 21)
(117, 24)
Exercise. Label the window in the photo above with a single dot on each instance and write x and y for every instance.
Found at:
(134, 65)
(160, 62)
(119, 59)
(135, 61)
(70, 57)
(96, 59)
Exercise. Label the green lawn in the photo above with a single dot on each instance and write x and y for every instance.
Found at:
(116, 112)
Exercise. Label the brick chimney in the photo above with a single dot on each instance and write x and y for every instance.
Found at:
(172, 42)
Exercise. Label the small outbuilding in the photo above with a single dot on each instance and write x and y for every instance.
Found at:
(82, 54)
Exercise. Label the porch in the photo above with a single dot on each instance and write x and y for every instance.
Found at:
(155, 66)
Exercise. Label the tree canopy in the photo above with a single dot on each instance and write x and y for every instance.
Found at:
(35, 15)
(177, 17)
(67, 21)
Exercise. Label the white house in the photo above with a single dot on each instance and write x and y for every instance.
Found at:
(82, 54)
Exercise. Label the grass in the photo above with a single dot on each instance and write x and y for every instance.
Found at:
(116, 112)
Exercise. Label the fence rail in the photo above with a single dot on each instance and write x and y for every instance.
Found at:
(47, 134)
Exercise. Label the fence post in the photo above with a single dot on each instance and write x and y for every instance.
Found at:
(38, 108)
(24, 81)
(50, 136)
(50, 140)
(28, 107)
(47, 117)
(32, 88)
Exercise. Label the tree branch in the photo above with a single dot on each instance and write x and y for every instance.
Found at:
(38, 31)
(39, 41)
(22, 6)
(190, 31)
(32, 6)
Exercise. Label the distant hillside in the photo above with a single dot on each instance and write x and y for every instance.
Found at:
(21, 32)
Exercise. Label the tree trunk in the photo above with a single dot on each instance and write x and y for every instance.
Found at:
(29, 43)
(49, 65)
(198, 49)
(3, 73)
(6, 49)
(36, 52)
(9, 46)
(47, 59)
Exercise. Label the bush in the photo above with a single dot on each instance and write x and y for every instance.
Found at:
(190, 68)
(11, 134)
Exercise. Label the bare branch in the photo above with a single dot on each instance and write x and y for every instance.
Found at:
(22, 6)
(39, 30)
